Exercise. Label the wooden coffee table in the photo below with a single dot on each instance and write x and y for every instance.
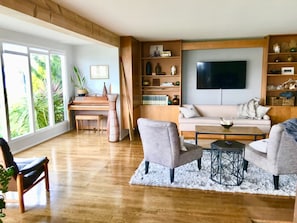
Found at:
(234, 130)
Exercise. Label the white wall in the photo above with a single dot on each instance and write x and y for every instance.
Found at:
(85, 56)
(191, 95)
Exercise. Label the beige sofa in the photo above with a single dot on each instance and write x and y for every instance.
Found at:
(210, 115)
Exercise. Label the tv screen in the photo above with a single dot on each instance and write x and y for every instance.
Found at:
(221, 75)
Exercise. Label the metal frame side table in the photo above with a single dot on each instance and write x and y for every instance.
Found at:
(227, 162)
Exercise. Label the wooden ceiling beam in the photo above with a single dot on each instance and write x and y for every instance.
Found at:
(53, 13)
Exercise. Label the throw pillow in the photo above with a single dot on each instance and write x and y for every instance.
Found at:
(261, 111)
(189, 112)
(247, 110)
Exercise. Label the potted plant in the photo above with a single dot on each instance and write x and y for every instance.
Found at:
(79, 81)
(5, 176)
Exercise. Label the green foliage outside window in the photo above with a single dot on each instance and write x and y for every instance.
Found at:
(19, 113)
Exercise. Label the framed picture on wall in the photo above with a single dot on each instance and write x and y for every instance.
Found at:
(156, 50)
(99, 72)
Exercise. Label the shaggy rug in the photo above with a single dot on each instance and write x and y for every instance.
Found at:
(256, 180)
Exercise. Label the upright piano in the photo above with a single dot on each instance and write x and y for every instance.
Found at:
(90, 105)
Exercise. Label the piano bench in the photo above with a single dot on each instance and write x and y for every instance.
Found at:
(97, 118)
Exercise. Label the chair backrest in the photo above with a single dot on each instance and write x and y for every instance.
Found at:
(282, 150)
(6, 158)
(160, 141)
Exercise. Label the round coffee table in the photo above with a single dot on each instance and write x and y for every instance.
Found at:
(227, 162)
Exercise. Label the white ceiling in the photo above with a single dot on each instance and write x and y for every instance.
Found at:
(190, 20)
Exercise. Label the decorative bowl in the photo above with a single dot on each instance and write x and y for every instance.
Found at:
(145, 83)
(227, 124)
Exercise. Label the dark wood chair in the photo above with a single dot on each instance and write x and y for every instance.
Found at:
(27, 172)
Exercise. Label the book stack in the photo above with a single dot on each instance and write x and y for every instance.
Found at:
(155, 99)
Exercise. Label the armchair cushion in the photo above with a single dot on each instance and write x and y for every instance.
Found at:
(260, 145)
(182, 146)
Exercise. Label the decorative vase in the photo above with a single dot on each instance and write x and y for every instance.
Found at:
(148, 68)
(276, 48)
(173, 70)
(290, 58)
(158, 69)
(175, 100)
(104, 92)
(112, 119)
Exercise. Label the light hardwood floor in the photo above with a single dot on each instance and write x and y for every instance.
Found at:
(89, 182)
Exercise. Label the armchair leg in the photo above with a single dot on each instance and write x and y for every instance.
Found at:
(245, 165)
(146, 164)
(46, 176)
(276, 182)
(20, 189)
(199, 163)
(171, 175)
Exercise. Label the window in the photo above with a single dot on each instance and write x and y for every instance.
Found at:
(32, 79)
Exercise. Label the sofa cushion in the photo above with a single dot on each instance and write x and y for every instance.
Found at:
(210, 115)
(202, 121)
(217, 111)
(189, 111)
(250, 122)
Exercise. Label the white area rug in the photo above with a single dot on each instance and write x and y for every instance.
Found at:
(256, 181)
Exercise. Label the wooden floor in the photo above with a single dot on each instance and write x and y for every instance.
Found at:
(89, 182)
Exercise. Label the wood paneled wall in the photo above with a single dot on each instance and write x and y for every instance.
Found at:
(223, 44)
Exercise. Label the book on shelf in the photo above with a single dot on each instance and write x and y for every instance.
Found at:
(155, 99)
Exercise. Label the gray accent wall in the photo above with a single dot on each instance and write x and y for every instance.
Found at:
(191, 95)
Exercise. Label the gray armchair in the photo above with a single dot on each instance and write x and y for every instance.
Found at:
(276, 155)
(161, 145)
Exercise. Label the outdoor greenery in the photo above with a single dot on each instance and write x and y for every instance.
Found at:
(19, 114)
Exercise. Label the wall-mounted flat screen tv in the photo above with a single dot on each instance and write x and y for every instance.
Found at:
(221, 75)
